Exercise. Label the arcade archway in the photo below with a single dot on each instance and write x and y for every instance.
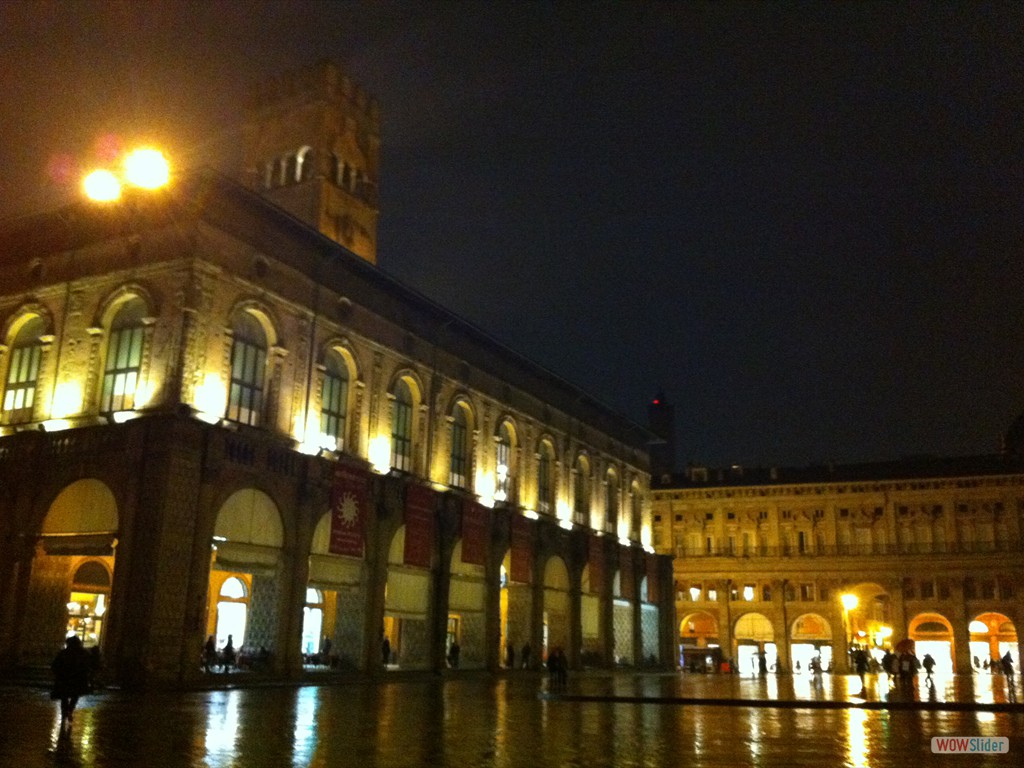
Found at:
(754, 636)
(810, 642)
(699, 649)
(932, 634)
(992, 636)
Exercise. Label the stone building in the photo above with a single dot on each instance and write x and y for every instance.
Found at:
(799, 563)
(220, 417)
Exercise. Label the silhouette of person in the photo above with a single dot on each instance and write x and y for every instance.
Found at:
(1007, 662)
(71, 668)
(929, 664)
(510, 656)
(385, 651)
(228, 655)
(526, 656)
(209, 654)
(453, 654)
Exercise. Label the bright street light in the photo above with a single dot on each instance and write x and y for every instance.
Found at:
(849, 601)
(146, 168)
(102, 186)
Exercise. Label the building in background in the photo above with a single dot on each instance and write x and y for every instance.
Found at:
(805, 563)
(219, 417)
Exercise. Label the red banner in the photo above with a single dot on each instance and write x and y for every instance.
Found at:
(350, 501)
(474, 532)
(627, 579)
(419, 525)
(596, 561)
(652, 578)
(522, 550)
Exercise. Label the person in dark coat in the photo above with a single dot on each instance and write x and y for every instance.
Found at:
(72, 669)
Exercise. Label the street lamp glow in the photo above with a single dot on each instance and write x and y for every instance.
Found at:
(849, 601)
(147, 168)
(102, 186)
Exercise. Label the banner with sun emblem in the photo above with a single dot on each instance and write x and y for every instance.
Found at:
(474, 532)
(419, 525)
(350, 497)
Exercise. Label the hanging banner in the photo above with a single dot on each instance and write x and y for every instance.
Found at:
(652, 578)
(627, 578)
(474, 532)
(522, 550)
(350, 501)
(419, 525)
(596, 561)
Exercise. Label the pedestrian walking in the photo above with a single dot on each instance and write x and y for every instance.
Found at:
(929, 664)
(209, 654)
(228, 655)
(71, 678)
(861, 663)
(1007, 662)
(453, 654)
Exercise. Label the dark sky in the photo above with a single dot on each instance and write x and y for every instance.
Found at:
(803, 222)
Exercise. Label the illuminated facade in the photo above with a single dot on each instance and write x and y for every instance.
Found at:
(191, 376)
(809, 562)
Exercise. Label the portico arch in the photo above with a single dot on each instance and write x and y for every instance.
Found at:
(932, 633)
(992, 635)
(248, 538)
(340, 580)
(556, 605)
(72, 571)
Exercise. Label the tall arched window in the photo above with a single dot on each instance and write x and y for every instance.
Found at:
(581, 491)
(401, 427)
(124, 358)
(611, 502)
(248, 369)
(636, 509)
(334, 400)
(304, 164)
(503, 468)
(545, 478)
(458, 473)
(23, 372)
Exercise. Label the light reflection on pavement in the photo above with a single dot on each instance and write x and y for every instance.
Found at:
(479, 721)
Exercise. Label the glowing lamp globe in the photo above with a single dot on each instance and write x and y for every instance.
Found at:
(147, 168)
(102, 186)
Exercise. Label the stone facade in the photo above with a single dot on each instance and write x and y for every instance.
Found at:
(197, 363)
(925, 546)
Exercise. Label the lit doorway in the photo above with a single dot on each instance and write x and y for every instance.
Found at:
(88, 602)
(232, 611)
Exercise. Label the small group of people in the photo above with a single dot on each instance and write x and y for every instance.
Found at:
(510, 656)
(558, 668)
(75, 670)
(225, 658)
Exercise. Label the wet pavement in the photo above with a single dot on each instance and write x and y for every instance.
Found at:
(476, 720)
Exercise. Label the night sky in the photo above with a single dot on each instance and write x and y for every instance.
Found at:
(802, 222)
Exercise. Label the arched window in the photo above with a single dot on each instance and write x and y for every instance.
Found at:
(23, 372)
(401, 427)
(636, 502)
(248, 367)
(611, 502)
(459, 466)
(291, 173)
(334, 400)
(581, 491)
(304, 164)
(124, 358)
(545, 478)
(503, 464)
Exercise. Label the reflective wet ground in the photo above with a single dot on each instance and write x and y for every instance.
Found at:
(509, 721)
